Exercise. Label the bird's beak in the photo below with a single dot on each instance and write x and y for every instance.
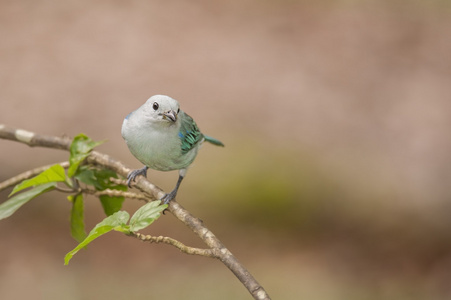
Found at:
(170, 115)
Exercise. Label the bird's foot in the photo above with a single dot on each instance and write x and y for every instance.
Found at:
(133, 174)
(169, 197)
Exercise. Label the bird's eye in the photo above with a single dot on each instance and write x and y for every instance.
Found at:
(178, 110)
(155, 105)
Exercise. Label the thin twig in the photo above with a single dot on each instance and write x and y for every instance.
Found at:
(118, 181)
(195, 224)
(179, 245)
(116, 193)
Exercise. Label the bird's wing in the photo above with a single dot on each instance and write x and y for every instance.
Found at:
(189, 134)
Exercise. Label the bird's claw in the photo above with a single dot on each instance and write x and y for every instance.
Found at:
(168, 197)
(133, 174)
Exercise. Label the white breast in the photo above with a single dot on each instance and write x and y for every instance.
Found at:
(158, 147)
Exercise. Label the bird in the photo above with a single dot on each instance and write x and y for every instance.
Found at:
(163, 138)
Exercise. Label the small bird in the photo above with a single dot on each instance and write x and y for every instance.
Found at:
(163, 138)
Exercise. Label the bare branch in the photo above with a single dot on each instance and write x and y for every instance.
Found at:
(195, 224)
(32, 139)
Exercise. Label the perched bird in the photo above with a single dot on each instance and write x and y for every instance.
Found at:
(163, 138)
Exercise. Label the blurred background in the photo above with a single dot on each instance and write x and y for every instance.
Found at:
(335, 179)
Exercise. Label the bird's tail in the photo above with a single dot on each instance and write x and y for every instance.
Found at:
(213, 141)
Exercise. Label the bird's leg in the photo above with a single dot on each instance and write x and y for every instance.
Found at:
(131, 177)
(168, 197)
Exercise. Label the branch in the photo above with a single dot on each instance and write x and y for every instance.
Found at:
(195, 224)
(179, 245)
(32, 139)
(117, 193)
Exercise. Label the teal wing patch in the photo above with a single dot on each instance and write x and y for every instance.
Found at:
(189, 133)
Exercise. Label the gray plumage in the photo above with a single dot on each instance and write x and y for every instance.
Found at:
(163, 137)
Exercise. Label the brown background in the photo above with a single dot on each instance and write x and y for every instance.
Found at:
(334, 182)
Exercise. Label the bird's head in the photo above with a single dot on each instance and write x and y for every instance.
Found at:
(160, 108)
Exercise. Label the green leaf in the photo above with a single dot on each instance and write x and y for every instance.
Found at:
(79, 150)
(146, 215)
(116, 221)
(119, 218)
(8, 207)
(97, 177)
(100, 179)
(86, 175)
(111, 204)
(77, 225)
(53, 174)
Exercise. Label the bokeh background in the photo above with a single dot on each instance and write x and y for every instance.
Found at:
(335, 179)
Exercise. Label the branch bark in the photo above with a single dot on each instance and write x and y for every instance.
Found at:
(216, 248)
